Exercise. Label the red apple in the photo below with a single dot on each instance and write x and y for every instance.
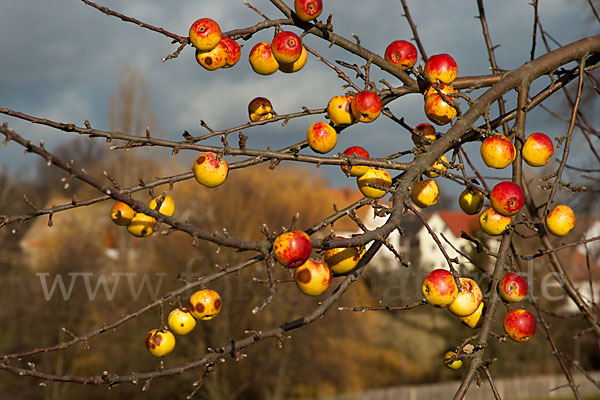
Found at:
(234, 51)
(205, 34)
(292, 249)
(321, 137)
(520, 325)
(313, 277)
(286, 47)
(512, 288)
(423, 134)
(436, 108)
(497, 151)
(307, 10)
(356, 170)
(441, 67)
(439, 288)
(507, 198)
(366, 106)
(402, 54)
(537, 150)
(468, 300)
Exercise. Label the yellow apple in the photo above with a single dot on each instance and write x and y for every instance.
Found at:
(425, 193)
(313, 277)
(160, 343)
(374, 176)
(141, 225)
(471, 201)
(205, 304)
(209, 170)
(167, 207)
(181, 321)
(560, 220)
(121, 213)
(468, 300)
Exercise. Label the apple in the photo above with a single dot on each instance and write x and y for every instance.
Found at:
(313, 277)
(292, 249)
(307, 10)
(451, 361)
(402, 54)
(468, 300)
(497, 151)
(520, 325)
(297, 65)
(262, 60)
(423, 134)
(357, 151)
(205, 34)
(141, 225)
(209, 170)
(441, 67)
(205, 304)
(374, 176)
(286, 47)
(160, 343)
(167, 206)
(234, 51)
(213, 59)
(439, 288)
(181, 321)
(437, 109)
(121, 213)
(321, 137)
(342, 259)
(259, 109)
(438, 165)
(366, 106)
(560, 220)
(507, 198)
(425, 193)
(537, 150)
(339, 111)
(492, 223)
(471, 201)
(512, 288)
(476, 319)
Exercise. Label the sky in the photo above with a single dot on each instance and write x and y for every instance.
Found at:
(62, 60)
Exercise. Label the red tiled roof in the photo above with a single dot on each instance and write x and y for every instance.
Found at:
(458, 221)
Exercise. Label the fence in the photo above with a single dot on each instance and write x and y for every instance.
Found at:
(521, 388)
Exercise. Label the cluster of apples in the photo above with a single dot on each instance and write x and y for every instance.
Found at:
(292, 249)
(140, 224)
(507, 198)
(285, 53)
(213, 51)
(440, 290)
(203, 305)
(440, 69)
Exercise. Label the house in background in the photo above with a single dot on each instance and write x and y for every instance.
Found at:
(417, 244)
